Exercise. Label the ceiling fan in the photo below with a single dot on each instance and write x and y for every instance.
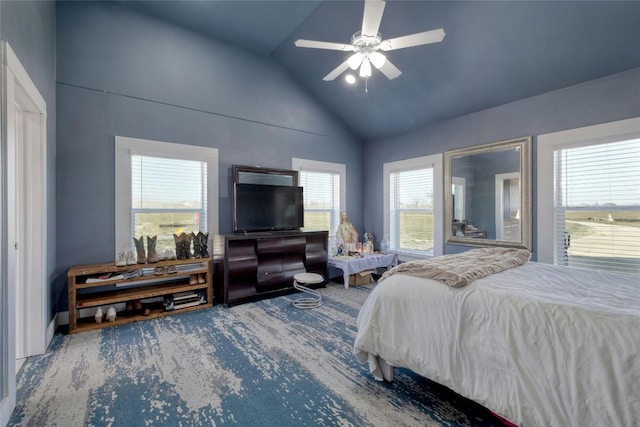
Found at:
(367, 44)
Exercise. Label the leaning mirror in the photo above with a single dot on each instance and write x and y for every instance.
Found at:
(488, 194)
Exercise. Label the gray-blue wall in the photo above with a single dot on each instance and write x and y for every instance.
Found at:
(29, 28)
(124, 73)
(121, 73)
(604, 100)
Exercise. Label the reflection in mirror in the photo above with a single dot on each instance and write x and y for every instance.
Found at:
(488, 194)
(508, 207)
(457, 197)
(264, 176)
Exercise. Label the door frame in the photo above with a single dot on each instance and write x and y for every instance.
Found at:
(19, 89)
(500, 178)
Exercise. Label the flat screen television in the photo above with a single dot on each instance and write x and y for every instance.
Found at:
(259, 207)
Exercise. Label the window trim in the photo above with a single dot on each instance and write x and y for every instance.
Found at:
(305, 165)
(125, 147)
(546, 145)
(326, 167)
(435, 161)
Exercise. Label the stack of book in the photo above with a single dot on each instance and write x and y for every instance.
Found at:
(184, 300)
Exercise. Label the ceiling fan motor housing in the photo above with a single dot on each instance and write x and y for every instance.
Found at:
(366, 52)
(364, 43)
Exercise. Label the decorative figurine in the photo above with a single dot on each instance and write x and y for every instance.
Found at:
(98, 315)
(384, 245)
(368, 246)
(346, 232)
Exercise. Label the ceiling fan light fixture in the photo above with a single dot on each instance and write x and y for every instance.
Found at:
(365, 68)
(350, 78)
(377, 59)
(368, 46)
(355, 60)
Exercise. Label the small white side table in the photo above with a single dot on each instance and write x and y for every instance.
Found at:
(299, 282)
(351, 264)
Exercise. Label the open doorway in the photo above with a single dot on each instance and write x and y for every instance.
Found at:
(508, 207)
(24, 321)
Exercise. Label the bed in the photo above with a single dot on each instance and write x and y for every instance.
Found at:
(540, 345)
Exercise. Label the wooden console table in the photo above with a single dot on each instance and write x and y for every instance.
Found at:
(87, 290)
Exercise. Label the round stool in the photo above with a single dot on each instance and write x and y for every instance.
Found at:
(301, 279)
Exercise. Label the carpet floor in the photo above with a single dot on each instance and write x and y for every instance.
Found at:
(259, 364)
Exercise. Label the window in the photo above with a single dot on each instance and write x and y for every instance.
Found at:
(593, 215)
(324, 193)
(162, 189)
(413, 206)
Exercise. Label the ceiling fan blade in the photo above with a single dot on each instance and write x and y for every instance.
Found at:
(390, 70)
(372, 16)
(427, 37)
(337, 71)
(323, 45)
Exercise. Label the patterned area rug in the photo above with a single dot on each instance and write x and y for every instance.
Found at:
(258, 364)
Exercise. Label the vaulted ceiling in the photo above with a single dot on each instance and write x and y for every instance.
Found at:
(494, 52)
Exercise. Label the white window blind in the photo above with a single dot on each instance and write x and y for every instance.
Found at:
(324, 195)
(411, 213)
(167, 196)
(163, 188)
(597, 206)
(321, 199)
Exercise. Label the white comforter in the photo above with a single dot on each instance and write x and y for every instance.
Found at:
(540, 345)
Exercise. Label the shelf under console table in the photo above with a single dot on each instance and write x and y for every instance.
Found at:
(102, 285)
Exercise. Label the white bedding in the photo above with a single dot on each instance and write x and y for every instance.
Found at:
(540, 345)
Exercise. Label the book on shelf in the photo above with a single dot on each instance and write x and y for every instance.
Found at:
(183, 300)
(187, 304)
(104, 277)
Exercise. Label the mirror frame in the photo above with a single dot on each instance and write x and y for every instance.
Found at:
(524, 146)
(238, 171)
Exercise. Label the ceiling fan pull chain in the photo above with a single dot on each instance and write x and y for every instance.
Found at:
(366, 85)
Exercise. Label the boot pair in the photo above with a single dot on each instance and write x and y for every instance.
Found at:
(151, 255)
(136, 307)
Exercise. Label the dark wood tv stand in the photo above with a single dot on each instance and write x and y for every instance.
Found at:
(262, 265)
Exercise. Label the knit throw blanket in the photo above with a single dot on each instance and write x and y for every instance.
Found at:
(458, 270)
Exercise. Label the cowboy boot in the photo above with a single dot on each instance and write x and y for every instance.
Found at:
(179, 251)
(152, 256)
(142, 258)
(202, 243)
(197, 249)
(183, 245)
(189, 239)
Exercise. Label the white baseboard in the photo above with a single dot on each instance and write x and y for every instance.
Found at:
(62, 318)
(51, 330)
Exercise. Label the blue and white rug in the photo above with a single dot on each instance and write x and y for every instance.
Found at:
(259, 364)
